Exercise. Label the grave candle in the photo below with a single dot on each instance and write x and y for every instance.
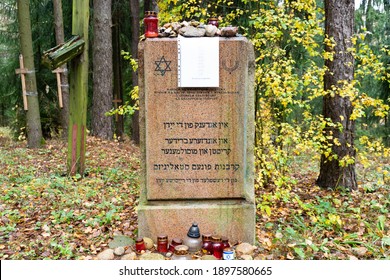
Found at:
(162, 243)
(140, 245)
(225, 242)
(217, 247)
(192, 240)
(207, 245)
(213, 21)
(181, 253)
(151, 24)
(175, 242)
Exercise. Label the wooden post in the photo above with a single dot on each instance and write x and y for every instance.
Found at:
(116, 105)
(58, 72)
(22, 72)
(78, 92)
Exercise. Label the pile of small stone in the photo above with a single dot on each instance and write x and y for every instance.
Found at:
(195, 29)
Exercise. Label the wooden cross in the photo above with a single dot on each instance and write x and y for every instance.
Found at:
(58, 72)
(116, 102)
(22, 71)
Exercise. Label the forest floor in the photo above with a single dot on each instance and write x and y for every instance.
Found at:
(48, 215)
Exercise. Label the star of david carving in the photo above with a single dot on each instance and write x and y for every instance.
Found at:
(162, 66)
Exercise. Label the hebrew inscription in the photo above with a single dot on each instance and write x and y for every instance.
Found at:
(195, 143)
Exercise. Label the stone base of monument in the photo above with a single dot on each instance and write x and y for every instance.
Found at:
(233, 218)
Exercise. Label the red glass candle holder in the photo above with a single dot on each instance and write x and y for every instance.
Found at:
(213, 21)
(175, 242)
(151, 24)
(225, 242)
(162, 243)
(217, 247)
(207, 244)
(140, 245)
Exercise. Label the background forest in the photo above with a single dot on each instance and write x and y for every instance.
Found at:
(296, 219)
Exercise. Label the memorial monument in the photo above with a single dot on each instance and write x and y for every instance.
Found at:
(197, 133)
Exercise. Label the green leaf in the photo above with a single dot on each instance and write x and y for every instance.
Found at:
(299, 252)
(381, 223)
(386, 240)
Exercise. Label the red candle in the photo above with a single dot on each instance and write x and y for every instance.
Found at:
(140, 245)
(225, 242)
(162, 243)
(217, 247)
(207, 246)
(151, 24)
(175, 242)
(213, 21)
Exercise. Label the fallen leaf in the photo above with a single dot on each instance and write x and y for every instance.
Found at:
(360, 251)
(279, 235)
(308, 242)
(290, 256)
(96, 233)
(88, 230)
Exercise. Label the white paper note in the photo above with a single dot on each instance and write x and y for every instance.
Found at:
(198, 62)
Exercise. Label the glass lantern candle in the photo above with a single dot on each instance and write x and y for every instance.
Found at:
(175, 242)
(207, 244)
(213, 21)
(217, 247)
(140, 245)
(151, 24)
(193, 240)
(228, 254)
(162, 243)
(225, 242)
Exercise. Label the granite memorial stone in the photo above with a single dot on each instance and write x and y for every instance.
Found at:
(197, 143)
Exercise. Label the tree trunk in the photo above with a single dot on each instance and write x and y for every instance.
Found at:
(117, 69)
(102, 125)
(78, 92)
(134, 7)
(34, 129)
(60, 39)
(369, 21)
(339, 23)
(155, 6)
(147, 5)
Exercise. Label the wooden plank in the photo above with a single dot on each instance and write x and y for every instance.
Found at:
(23, 79)
(58, 72)
(63, 53)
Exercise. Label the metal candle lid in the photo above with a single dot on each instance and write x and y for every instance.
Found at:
(139, 240)
(162, 238)
(193, 232)
(150, 13)
(206, 237)
(216, 238)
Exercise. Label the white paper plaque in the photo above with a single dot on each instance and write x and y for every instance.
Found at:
(198, 62)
